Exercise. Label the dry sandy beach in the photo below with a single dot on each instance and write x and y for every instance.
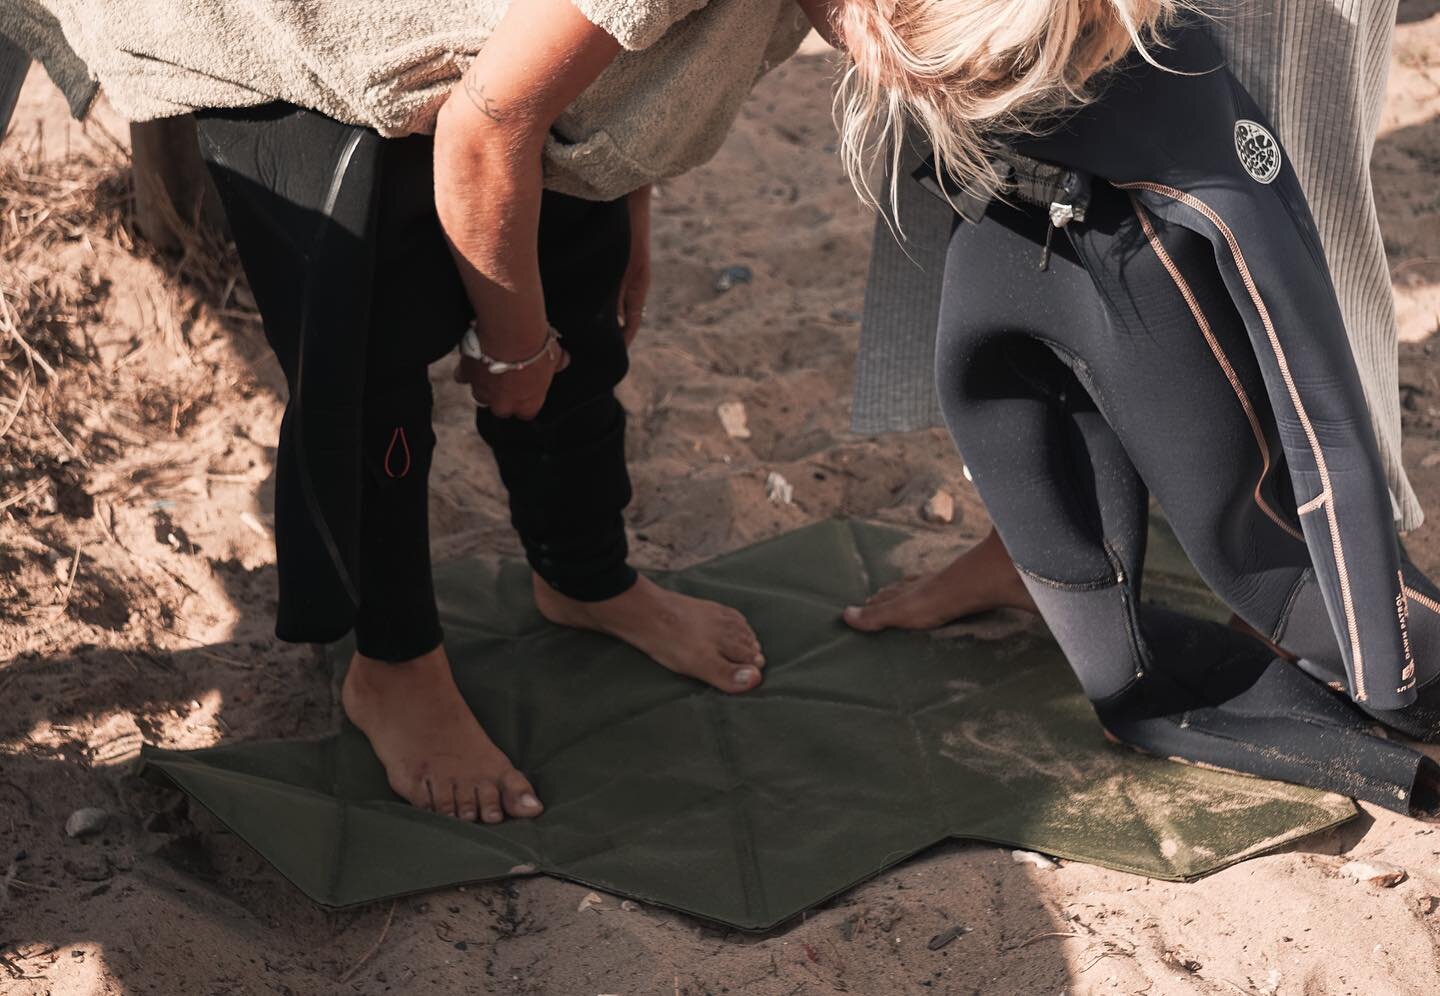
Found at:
(136, 581)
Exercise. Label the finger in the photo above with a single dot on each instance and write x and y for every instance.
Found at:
(634, 315)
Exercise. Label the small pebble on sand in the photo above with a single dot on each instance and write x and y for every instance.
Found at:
(86, 822)
(733, 418)
(939, 508)
(1380, 873)
(731, 276)
(779, 490)
(1031, 858)
(592, 900)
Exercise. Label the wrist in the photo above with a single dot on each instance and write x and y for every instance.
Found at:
(500, 360)
(509, 344)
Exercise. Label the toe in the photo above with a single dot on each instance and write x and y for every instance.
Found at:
(733, 617)
(741, 647)
(416, 792)
(519, 796)
(468, 806)
(867, 618)
(488, 796)
(447, 798)
(741, 679)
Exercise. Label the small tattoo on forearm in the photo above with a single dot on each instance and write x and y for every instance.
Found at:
(483, 103)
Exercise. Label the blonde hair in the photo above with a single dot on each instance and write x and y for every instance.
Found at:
(958, 69)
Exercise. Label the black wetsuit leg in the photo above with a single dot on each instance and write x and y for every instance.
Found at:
(1052, 387)
(340, 255)
(338, 234)
(565, 469)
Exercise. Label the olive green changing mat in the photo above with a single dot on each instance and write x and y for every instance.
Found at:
(857, 752)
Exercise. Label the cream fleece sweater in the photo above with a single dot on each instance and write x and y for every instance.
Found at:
(662, 108)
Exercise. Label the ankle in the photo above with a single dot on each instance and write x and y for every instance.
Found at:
(372, 669)
(548, 594)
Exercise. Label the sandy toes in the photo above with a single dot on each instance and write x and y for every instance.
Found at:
(435, 753)
(704, 640)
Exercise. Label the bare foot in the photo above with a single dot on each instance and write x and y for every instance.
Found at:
(980, 579)
(435, 754)
(689, 636)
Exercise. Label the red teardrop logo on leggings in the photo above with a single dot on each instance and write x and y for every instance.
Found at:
(400, 443)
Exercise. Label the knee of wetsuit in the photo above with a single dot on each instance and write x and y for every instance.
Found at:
(1095, 628)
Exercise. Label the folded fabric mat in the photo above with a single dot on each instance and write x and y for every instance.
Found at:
(857, 752)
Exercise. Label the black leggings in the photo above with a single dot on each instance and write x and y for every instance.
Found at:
(337, 231)
(1072, 403)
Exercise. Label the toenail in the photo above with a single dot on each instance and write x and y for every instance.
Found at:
(758, 659)
(852, 612)
(744, 677)
(529, 801)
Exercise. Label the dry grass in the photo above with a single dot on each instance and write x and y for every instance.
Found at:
(64, 404)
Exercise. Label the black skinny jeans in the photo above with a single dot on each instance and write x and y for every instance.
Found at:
(337, 231)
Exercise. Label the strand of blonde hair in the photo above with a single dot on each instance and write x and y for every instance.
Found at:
(956, 71)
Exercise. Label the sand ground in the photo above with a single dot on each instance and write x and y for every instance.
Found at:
(136, 586)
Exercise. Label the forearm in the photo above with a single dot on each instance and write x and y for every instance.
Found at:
(487, 193)
(489, 139)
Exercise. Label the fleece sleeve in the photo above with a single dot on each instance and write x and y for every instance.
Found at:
(637, 24)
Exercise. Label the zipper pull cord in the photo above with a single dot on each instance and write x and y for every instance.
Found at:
(1060, 215)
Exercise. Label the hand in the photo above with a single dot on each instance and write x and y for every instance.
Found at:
(517, 394)
(635, 285)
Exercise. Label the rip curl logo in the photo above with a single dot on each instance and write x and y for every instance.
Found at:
(1258, 151)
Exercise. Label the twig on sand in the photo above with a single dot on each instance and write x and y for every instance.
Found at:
(61, 436)
(25, 495)
(1041, 937)
(140, 558)
(64, 602)
(373, 948)
(226, 660)
(19, 404)
(9, 324)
